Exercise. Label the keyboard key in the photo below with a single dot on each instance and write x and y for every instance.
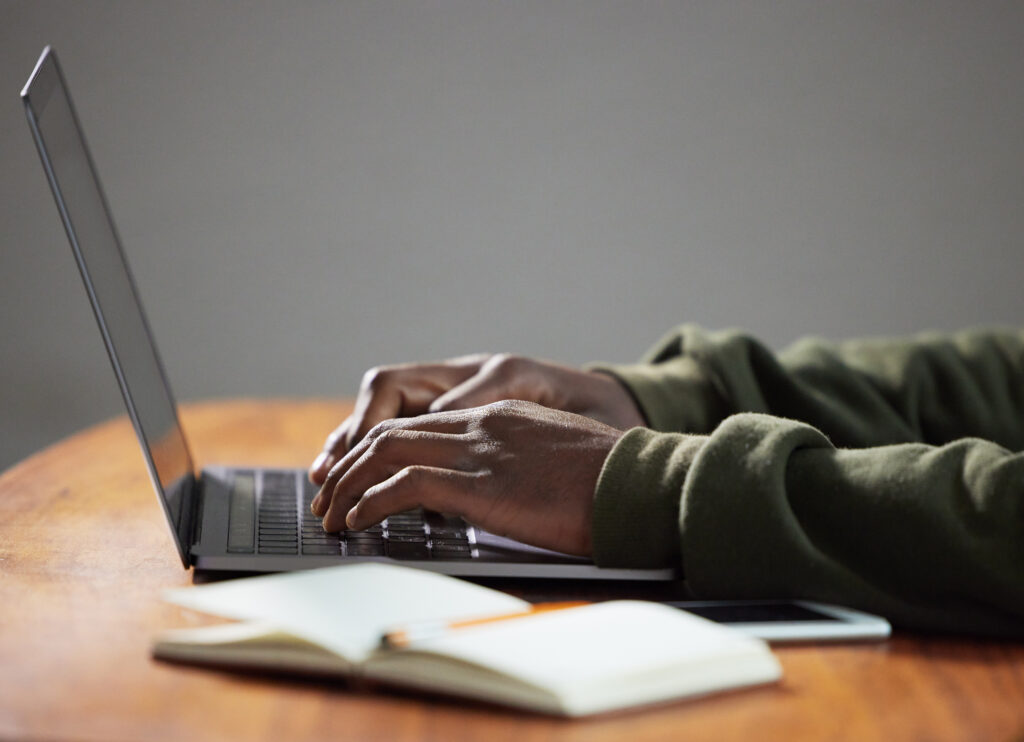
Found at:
(364, 548)
(405, 519)
(242, 515)
(265, 545)
(321, 549)
(406, 528)
(403, 550)
(450, 547)
(363, 536)
(449, 532)
(450, 551)
(279, 481)
(407, 538)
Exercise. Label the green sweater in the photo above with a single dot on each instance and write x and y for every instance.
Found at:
(881, 474)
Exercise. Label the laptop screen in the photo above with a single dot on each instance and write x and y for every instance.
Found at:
(97, 248)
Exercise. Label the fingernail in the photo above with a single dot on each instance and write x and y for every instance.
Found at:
(315, 505)
(318, 462)
(351, 520)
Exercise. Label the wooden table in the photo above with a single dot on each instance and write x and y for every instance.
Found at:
(84, 555)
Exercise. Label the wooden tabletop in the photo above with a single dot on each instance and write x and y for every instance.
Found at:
(85, 554)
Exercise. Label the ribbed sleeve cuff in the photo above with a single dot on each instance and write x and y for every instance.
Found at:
(674, 396)
(636, 503)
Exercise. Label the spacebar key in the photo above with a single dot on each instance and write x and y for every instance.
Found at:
(242, 515)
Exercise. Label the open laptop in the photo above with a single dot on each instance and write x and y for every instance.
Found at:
(244, 520)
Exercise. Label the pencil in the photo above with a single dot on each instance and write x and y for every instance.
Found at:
(416, 632)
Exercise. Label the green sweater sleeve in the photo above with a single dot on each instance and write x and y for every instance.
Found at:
(931, 388)
(918, 516)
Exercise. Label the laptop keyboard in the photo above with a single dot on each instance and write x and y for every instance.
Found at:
(269, 514)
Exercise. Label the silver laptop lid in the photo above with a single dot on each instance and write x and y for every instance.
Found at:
(108, 281)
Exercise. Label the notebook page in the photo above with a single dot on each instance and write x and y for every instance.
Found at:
(346, 609)
(614, 654)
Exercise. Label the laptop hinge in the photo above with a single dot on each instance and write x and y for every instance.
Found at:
(192, 526)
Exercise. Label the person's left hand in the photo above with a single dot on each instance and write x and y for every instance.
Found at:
(516, 469)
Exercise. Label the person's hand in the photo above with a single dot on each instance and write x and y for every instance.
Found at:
(471, 381)
(513, 468)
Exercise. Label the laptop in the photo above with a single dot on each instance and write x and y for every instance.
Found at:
(236, 519)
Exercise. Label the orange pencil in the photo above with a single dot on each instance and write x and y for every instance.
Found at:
(429, 629)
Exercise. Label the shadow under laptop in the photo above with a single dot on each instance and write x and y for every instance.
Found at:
(538, 589)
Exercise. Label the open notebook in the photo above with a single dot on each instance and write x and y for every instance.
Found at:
(573, 662)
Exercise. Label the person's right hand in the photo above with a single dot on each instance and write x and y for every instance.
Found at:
(472, 381)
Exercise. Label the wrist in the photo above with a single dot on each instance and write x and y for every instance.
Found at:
(673, 396)
(618, 406)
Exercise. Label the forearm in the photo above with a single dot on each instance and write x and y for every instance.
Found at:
(930, 537)
(929, 388)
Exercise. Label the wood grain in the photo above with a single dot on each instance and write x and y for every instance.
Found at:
(85, 554)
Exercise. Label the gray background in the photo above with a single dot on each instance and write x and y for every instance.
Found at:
(308, 189)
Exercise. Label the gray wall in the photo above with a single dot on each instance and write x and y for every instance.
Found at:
(359, 183)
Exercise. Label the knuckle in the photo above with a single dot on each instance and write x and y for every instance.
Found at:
(503, 408)
(505, 364)
(443, 405)
(376, 378)
(332, 478)
(382, 436)
(491, 419)
(411, 476)
(382, 428)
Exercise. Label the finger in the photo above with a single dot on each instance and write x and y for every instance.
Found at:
(376, 461)
(435, 488)
(390, 392)
(501, 377)
(377, 402)
(404, 391)
(331, 453)
(449, 422)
